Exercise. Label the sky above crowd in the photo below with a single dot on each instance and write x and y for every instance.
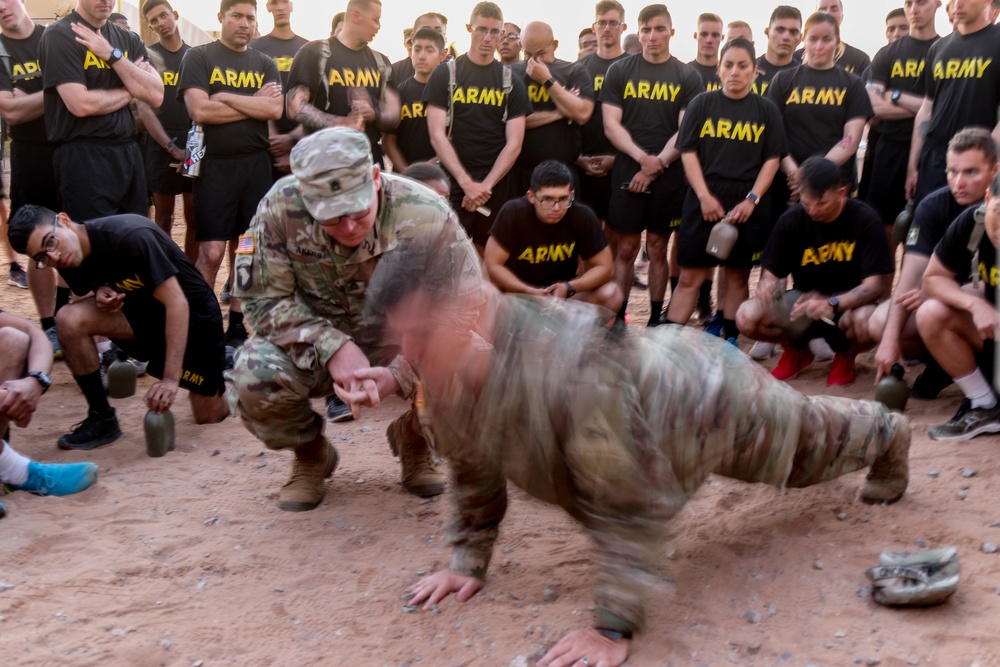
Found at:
(863, 27)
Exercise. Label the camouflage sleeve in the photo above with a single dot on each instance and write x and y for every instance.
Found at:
(266, 286)
(479, 488)
(405, 375)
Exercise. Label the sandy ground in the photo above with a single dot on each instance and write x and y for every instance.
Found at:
(186, 560)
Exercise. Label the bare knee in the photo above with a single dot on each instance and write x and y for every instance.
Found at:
(209, 409)
(74, 320)
(14, 344)
(628, 247)
(933, 316)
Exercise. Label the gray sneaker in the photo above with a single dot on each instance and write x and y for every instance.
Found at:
(968, 423)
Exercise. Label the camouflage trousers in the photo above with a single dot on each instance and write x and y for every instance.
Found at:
(272, 395)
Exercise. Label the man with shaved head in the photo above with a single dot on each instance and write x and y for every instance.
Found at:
(562, 100)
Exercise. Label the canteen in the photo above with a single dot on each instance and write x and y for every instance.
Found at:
(159, 430)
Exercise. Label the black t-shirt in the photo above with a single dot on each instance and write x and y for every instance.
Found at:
(709, 75)
(216, 68)
(348, 73)
(815, 105)
(134, 256)
(478, 132)
(900, 66)
(173, 113)
(560, 140)
(962, 76)
(651, 97)
(542, 254)
(595, 142)
(412, 137)
(64, 60)
(25, 74)
(282, 51)
(402, 70)
(930, 220)
(953, 253)
(766, 72)
(829, 257)
(733, 138)
(851, 60)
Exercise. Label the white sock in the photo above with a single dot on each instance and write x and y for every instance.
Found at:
(103, 347)
(13, 466)
(977, 390)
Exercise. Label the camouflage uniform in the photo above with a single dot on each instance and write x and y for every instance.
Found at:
(621, 435)
(302, 294)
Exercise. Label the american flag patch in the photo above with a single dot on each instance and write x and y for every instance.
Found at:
(245, 245)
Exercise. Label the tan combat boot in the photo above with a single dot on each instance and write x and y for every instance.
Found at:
(407, 441)
(304, 489)
(889, 475)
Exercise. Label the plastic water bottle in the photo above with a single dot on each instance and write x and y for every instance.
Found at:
(195, 146)
(159, 430)
(121, 377)
(892, 391)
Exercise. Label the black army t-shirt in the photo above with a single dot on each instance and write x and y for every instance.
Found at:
(478, 132)
(349, 75)
(733, 138)
(25, 74)
(282, 51)
(933, 215)
(953, 253)
(173, 113)
(402, 70)
(215, 68)
(412, 137)
(64, 60)
(560, 140)
(651, 97)
(542, 254)
(962, 76)
(900, 66)
(815, 105)
(765, 74)
(132, 255)
(709, 75)
(595, 141)
(829, 257)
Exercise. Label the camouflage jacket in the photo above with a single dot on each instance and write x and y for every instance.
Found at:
(304, 292)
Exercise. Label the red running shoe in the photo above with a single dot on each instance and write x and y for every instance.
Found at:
(791, 363)
(841, 371)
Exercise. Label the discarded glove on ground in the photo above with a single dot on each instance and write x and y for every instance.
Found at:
(915, 579)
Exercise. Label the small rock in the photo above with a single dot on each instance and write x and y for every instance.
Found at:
(549, 595)
(995, 524)
(840, 634)
(817, 565)
(410, 609)
(841, 516)
(6, 587)
(515, 596)
(201, 585)
(913, 661)
(261, 464)
(507, 550)
(198, 663)
(872, 662)
(165, 644)
(216, 452)
(968, 473)
(359, 480)
(279, 589)
(997, 590)
(752, 617)
(366, 429)
(933, 473)
(921, 544)
(865, 591)
(963, 487)
(962, 495)
(989, 548)
(519, 661)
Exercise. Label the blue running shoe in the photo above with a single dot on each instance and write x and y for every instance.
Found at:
(732, 341)
(58, 479)
(714, 326)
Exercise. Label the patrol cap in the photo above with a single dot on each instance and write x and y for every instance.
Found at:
(334, 168)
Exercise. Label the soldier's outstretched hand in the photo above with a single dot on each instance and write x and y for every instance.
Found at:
(441, 584)
(367, 388)
(586, 647)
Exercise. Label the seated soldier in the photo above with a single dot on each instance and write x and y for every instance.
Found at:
(147, 297)
(24, 377)
(959, 328)
(972, 164)
(835, 250)
(539, 240)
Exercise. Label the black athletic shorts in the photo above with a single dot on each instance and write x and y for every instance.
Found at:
(164, 179)
(33, 176)
(694, 232)
(477, 225)
(833, 335)
(97, 179)
(204, 355)
(659, 210)
(931, 174)
(887, 183)
(227, 193)
(595, 192)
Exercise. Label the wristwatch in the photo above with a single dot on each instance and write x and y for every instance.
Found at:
(549, 82)
(752, 198)
(570, 290)
(115, 56)
(894, 98)
(43, 379)
(835, 302)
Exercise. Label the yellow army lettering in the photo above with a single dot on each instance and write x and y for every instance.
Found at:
(363, 78)
(538, 94)
(810, 95)
(169, 78)
(491, 97)
(838, 251)
(907, 69)
(969, 68)
(758, 91)
(284, 63)
(598, 82)
(994, 274)
(25, 71)
(713, 86)
(234, 79)
(648, 90)
(93, 61)
(550, 253)
(130, 284)
(415, 110)
(193, 378)
(724, 128)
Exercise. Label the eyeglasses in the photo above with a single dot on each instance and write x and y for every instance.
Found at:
(353, 217)
(510, 37)
(41, 260)
(601, 25)
(549, 203)
(482, 31)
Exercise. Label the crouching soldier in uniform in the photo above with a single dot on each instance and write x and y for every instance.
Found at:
(303, 269)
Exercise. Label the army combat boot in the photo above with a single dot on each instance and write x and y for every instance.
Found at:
(889, 475)
(313, 463)
(407, 441)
